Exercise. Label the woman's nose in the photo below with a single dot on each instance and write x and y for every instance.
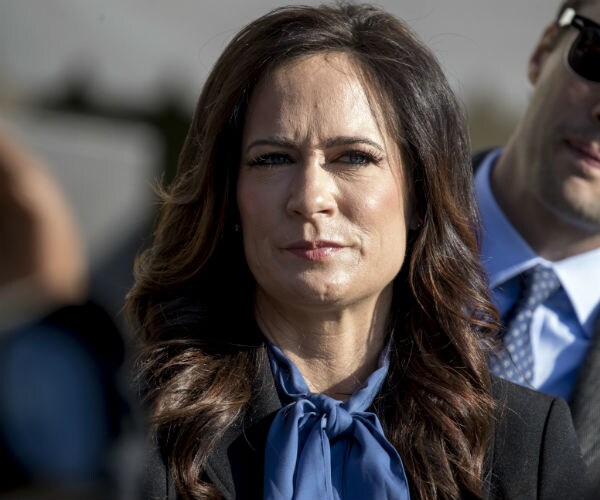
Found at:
(312, 191)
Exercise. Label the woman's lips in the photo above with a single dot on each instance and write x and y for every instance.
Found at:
(586, 151)
(314, 250)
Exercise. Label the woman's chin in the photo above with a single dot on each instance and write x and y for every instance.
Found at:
(312, 293)
(320, 295)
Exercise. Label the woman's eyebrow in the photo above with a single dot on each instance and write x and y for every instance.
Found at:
(272, 141)
(343, 140)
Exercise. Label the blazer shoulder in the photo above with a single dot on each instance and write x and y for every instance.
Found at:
(536, 453)
(156, 482)
(518, 398)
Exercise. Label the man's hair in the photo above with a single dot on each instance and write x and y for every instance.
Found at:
(193, 297)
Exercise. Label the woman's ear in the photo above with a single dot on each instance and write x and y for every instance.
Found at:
(416, 220)
(541, 52)
(413, 210)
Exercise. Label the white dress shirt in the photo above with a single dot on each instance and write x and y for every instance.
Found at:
(562, 326)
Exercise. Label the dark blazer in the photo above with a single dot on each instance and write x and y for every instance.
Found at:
(533, 453)
(585, 399)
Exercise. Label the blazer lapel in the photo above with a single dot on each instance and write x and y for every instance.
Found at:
(237, 462)
(585, 401)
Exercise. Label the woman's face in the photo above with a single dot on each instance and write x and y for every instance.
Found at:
(322, 197)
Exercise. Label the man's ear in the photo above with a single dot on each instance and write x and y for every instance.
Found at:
(541, 52)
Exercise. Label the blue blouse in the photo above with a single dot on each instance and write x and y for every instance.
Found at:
(319, 448)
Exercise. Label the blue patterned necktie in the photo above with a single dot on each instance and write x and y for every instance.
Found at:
(514, 361)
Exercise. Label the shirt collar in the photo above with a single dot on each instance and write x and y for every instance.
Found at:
(579, 276)
(505, 254)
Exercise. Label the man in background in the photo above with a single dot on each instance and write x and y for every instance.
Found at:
(540, 202)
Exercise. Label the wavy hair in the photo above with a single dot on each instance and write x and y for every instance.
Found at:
(192, 301)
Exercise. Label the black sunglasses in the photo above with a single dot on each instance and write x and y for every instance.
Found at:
(584, 54)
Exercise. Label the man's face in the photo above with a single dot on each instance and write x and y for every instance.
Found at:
(560, 134)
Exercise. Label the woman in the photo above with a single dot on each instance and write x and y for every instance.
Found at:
(313, 310)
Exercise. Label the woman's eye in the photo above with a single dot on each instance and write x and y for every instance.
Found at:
(271, 159)
(357, 158)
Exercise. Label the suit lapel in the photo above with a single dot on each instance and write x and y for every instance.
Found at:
(237, 462)
(585, 401)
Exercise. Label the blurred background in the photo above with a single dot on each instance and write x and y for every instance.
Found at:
(102, 91)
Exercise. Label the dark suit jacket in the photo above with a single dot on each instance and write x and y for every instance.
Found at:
(585, 399)
(533, 454)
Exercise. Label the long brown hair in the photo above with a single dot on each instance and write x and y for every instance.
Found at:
(192, 301)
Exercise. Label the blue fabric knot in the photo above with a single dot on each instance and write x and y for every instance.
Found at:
(321, 448)
(336, 420)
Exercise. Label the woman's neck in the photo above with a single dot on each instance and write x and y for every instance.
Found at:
(335, 350)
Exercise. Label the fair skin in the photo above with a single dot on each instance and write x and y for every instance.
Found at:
(324, 212)
(547, 181)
